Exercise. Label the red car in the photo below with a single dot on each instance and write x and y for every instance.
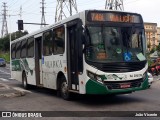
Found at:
(158, 64)
(155, 67)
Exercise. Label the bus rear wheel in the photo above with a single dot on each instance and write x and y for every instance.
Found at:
(64, 90)
(24, 81)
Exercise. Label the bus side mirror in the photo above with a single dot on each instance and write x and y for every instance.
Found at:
(85, 37)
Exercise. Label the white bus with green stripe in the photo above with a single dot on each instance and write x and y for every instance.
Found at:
(92, 52)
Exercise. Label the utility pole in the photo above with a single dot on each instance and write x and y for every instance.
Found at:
(4, 30)
(65, 8)
(114, 5)
(43, 22)
(20, 13)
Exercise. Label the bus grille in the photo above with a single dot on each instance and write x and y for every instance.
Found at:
(117, 85)
(121, 67)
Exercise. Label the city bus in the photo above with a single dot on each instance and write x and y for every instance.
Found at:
(96, 52)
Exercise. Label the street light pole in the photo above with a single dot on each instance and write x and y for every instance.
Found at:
(10, 39)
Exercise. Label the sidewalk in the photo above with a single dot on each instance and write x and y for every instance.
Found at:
(156, 82)
(7, 91)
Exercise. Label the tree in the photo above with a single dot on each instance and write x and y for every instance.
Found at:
(152, 50)
(5, 41)
(158, 48)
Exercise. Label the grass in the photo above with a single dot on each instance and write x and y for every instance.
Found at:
(5, 55)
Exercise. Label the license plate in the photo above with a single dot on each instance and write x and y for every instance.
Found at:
(125, 85)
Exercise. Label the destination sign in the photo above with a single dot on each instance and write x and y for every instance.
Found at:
(113, 17)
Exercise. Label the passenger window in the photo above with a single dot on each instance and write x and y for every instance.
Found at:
(58, 40)
(24, 49)
(47, 43)
(18, 48)
(13, 49)
(30, 47)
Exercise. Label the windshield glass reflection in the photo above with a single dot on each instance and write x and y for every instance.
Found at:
(115, 44)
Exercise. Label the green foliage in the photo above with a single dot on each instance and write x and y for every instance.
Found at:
(5, 41)
(158, 48)
(6, 56)
(152, 50)
(5, 44)
(150, 62)
(148, 59)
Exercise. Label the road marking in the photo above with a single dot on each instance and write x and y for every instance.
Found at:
(5, 72)
(3, 79)
(21, 89)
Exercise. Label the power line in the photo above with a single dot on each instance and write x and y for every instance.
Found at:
(26, 6)
(28, 13)
(31, 10)
(25, 2)
(31, 5)
(87, 2)
(10, 2)
(13, 3)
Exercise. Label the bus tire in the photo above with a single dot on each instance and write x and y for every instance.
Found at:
(24, 81)
(64, 90)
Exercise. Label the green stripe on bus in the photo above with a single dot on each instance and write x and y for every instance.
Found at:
(16, 65)
(93, 87)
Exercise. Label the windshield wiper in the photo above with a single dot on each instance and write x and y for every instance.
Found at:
(87, 37)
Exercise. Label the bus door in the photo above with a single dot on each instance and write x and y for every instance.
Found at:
(38, 60)
(74, 57)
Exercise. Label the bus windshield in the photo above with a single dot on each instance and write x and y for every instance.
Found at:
(115, 44)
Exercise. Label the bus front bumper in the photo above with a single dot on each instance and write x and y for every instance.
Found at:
(94, 87)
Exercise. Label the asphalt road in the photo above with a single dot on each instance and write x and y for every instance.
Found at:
(39, 99)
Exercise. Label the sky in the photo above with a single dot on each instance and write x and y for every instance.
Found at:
(31, 11)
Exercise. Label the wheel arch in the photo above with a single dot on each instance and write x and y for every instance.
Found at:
(60, 76)
(23, 73)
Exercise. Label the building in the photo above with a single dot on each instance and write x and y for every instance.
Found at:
(158, 34)
(151, 35)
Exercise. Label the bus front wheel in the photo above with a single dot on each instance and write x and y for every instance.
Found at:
(64, 90)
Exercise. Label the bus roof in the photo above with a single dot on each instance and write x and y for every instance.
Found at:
(62, 22)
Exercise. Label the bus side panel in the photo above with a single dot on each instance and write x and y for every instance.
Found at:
(48, 74)
(84, 78)
(30, 71)
(51, 67)
(17, 75)
(16, 70)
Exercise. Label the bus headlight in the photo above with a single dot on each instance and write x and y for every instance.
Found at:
(94, 77)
